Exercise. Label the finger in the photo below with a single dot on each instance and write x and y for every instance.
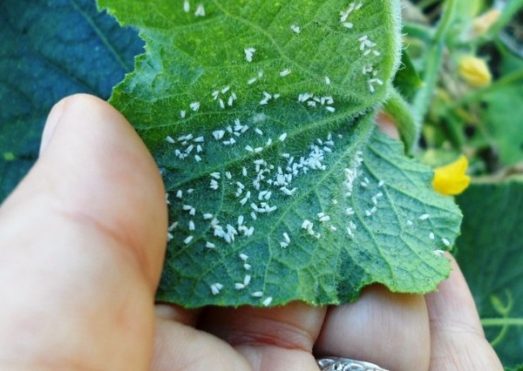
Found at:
(271, 339)
(82, 241)
(179, 347)
(458, 341)
(175, 313)
(388, 329)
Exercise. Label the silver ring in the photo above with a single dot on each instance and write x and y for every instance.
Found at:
(346, 364)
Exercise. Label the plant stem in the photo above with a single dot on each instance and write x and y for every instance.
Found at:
(496, 322)
(420, 31)
(434, 62)
(405, 121)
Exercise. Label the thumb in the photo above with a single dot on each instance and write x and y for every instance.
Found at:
(82, 241)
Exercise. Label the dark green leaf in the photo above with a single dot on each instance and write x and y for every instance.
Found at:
(490, 252)
(48, 50)
(407, 80)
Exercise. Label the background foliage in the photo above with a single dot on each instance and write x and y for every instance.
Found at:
(490, 255)
(49, 49)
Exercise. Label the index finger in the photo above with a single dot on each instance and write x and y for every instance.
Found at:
(390, 330)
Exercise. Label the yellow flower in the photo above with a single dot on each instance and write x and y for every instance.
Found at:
(452, 179)
(475, 71)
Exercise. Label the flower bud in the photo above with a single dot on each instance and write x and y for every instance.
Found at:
(475, 71)
(482, 24)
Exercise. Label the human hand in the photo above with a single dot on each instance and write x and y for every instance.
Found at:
(82, 241)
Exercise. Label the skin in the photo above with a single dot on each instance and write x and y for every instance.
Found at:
(82, 241)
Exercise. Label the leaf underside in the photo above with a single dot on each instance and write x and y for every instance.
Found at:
(260, 116)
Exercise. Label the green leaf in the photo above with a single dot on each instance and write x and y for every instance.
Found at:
(51, 49)
(490, 253)
(407, 81)
(276, 155)
(198, 55)
(503, 128)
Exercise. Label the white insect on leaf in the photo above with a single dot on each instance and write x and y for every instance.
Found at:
(200, 11)
(216, 288)
(249, 53)
(195, 106)
(267, 301)
(186, 6)
(266, 98)
(296, 28)
(285, 72)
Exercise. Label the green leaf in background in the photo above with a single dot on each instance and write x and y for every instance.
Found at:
(407, 81)
(48, 50)
(280, 188)
(490, 253)
(503, 122)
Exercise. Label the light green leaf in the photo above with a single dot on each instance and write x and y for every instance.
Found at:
(260, 117)
(190, 57)
(490, 253)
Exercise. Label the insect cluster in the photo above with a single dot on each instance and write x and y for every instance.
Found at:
(264, 181)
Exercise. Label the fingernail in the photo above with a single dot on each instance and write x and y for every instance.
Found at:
(50, 126)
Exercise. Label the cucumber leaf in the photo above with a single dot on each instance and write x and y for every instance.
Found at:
(260, 116)
(50, 49)
(490, 253)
